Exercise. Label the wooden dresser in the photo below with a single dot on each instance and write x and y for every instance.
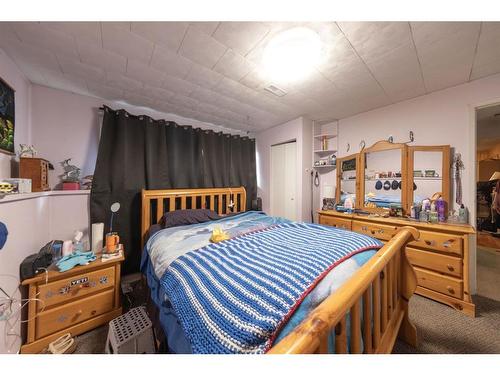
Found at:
(74, 301)
(37, 170)
(440, 256)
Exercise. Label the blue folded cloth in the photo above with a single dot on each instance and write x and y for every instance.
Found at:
(77, 258)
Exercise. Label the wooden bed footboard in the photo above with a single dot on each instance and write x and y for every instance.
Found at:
(382, 288)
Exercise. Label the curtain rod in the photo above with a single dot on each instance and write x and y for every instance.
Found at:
(191, 126)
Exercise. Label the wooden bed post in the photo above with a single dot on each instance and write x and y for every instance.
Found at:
(408, 282)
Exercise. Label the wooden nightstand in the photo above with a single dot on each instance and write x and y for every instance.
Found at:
(74, 301)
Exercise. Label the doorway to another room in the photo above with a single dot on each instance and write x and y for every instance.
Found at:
(488, 201)
(284, 180)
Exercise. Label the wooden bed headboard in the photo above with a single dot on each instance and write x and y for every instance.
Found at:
(156, 202)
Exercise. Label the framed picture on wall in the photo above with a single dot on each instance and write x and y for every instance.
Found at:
(7, 118)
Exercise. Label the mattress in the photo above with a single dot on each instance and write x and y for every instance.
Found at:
(166, 245)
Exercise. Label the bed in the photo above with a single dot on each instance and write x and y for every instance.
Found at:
(365, 313)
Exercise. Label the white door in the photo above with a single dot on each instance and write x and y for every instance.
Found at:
(284, 180)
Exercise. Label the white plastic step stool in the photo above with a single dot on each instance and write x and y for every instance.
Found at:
(131, 333)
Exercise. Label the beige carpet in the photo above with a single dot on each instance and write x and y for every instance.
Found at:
(442, 330)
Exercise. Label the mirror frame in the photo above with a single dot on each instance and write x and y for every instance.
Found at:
(445, 171)
(339, 177)
(376, 147)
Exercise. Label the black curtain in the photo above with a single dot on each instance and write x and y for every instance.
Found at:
(137, 152)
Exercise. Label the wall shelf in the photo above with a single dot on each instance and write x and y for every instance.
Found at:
(327, 136)
(19, 197)
(325, 152)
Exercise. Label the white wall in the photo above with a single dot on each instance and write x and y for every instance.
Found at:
(299, 130)
(22, 131)
(32, 222)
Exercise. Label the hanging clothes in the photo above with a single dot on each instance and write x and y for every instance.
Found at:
(459, 165)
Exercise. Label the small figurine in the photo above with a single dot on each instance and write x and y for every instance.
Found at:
(27, 151)
(71, 172)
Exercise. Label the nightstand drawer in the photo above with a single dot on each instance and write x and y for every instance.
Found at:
(380, 231)
(335, 222)
(448, 243)
(435, 262)
(443, 284)
(58, 318)
(66, 290)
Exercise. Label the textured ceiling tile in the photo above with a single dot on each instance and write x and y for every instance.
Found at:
(119, 40)
(78, 69)
(66, 82)
(178, 85)
(144, 73)
(371, 40)
(138, 99)
(105, 92)
(253, 80)
(204, 95)
(88, 31)
(338, 54)
(205, 27)
(233, 65)
(98, 56)
(398, 71)
(241, 36)
(23, 52)
(156, 93)
(44, 37)
(170, 62)
(120, 81)
(168, 34)
(446, 51)
(487, 59)
(203, 76)
(201, 48)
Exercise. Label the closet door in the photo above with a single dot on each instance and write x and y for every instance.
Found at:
(284, 180)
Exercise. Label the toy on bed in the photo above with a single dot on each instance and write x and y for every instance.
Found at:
(219, 235)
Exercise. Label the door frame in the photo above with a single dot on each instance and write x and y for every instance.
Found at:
(472, 149)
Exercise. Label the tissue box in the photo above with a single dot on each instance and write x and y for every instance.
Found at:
(21, 185)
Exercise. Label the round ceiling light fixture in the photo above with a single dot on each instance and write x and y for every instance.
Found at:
(292, 55)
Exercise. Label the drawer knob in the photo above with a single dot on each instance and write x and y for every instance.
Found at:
(447, 243)
(381, 231)
(364, 228)
(79, 312)
(429, 242)
(450, 290)
(373, 232)
(93, 312)
(450, 267)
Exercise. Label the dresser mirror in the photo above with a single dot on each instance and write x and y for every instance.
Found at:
(347, 178)
(428, 173)
(383, 177)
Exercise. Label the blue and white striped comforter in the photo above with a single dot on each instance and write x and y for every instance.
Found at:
(236, 295)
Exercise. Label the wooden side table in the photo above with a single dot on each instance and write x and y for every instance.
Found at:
(75, 301)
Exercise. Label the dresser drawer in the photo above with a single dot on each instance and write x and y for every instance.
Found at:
(380, 231)
(64, 316)
(335, 222)
(448, 285)
(435, 262)
(63, 291)
(448, 243)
